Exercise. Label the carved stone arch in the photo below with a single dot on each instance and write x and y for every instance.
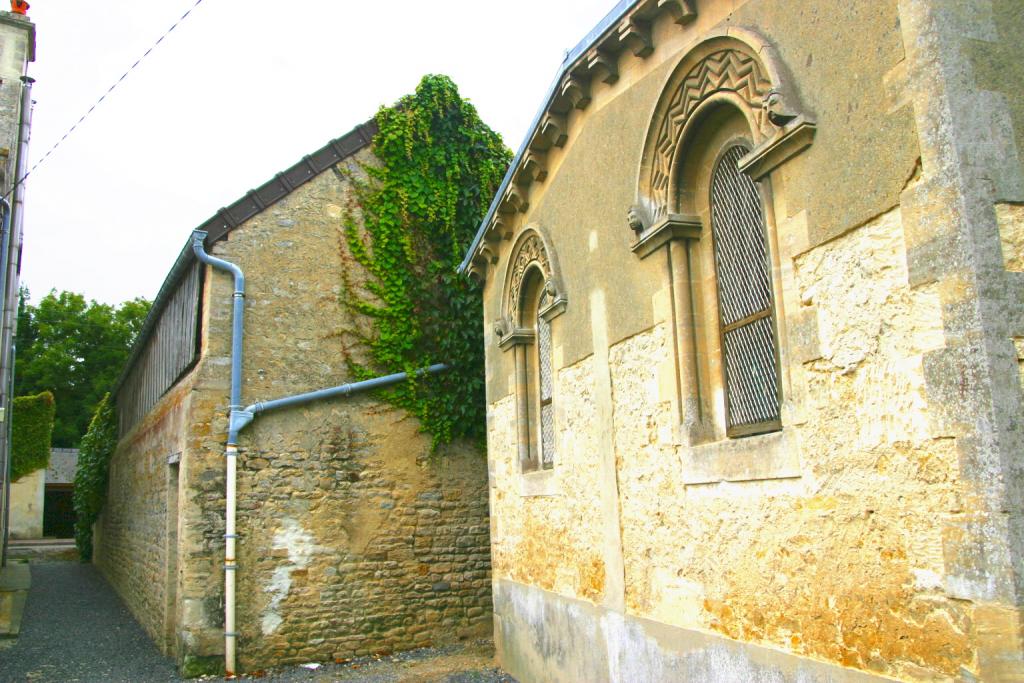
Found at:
(530, 251)
(737, 67)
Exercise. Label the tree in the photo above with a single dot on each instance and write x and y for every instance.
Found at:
(75, 349)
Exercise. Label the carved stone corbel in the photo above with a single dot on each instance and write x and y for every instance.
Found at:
(553, 128)
(514, 200)
(557, 305)
(682, 11)
(499, 229)
(635, 35)
(489, 254)
(501, 328)
(603, 66)
(477, 269)
(533, 166)
(575, 89)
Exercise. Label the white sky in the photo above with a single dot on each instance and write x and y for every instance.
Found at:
(240, 91)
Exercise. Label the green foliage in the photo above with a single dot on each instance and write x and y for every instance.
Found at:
(76, 350)
(91, 476)
(439, 165)
(31, 429)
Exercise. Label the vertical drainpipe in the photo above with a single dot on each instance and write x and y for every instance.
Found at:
(12, 266)
(5, 452)
(231, 451)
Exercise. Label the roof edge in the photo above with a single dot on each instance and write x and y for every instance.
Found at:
(626, 27)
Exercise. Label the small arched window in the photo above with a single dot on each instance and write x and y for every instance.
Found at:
(539, 413)
(745, 300)
(547, 414)
(533, 300)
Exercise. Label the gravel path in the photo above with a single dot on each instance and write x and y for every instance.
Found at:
(75, 628)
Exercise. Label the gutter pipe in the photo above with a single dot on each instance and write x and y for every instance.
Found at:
(5, 409)
(231, 451)
(11, 264)
(239, 418)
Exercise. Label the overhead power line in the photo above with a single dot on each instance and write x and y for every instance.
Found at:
(104, 95)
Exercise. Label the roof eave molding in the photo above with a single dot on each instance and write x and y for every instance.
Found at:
(593, 60)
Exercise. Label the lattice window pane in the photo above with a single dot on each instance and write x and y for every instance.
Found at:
(544, 353)
(750, 374)
(547, 436)
(744, 297)
(741, 252)
(547, 431)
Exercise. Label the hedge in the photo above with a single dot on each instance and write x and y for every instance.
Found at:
(31, 431)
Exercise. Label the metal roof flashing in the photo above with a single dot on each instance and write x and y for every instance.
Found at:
(249, 205)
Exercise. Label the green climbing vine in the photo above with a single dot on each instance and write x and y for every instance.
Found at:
(91, 476)
(437, 167)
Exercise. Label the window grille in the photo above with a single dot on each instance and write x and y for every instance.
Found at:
(547, 417)
(744, 300)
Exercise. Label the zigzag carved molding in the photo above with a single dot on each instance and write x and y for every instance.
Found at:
(726, 70)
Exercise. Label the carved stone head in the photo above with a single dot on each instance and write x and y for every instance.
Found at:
(778, 112)
(635, 219)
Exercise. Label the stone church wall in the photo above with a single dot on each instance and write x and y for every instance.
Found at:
(873, 536)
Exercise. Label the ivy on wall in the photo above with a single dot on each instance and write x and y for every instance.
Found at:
(438, 166)
(31, 431)
(91, 476)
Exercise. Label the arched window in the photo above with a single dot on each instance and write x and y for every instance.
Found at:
(537, 410)
(533, 300)
(544, 383)
(745, 300)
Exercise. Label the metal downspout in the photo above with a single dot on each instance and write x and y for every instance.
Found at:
(241, 418)
(12, 266)
(231, 451)
(5, 454)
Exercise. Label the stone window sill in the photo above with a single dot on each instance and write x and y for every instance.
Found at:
(753, 458)
(539, 483)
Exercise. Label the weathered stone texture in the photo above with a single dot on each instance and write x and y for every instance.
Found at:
(850, 549)
(131, 536)
(356, 540)
(26, 507)
(551, 541)
(353, 538)
(880, 529)
(829, 566)
(1010, 218)
(17, 47)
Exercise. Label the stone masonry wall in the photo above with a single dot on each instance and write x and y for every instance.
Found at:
(842, 564)
(356, 540)
(845, 563)
(131, 535)
(353, 538)
(880, 529)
